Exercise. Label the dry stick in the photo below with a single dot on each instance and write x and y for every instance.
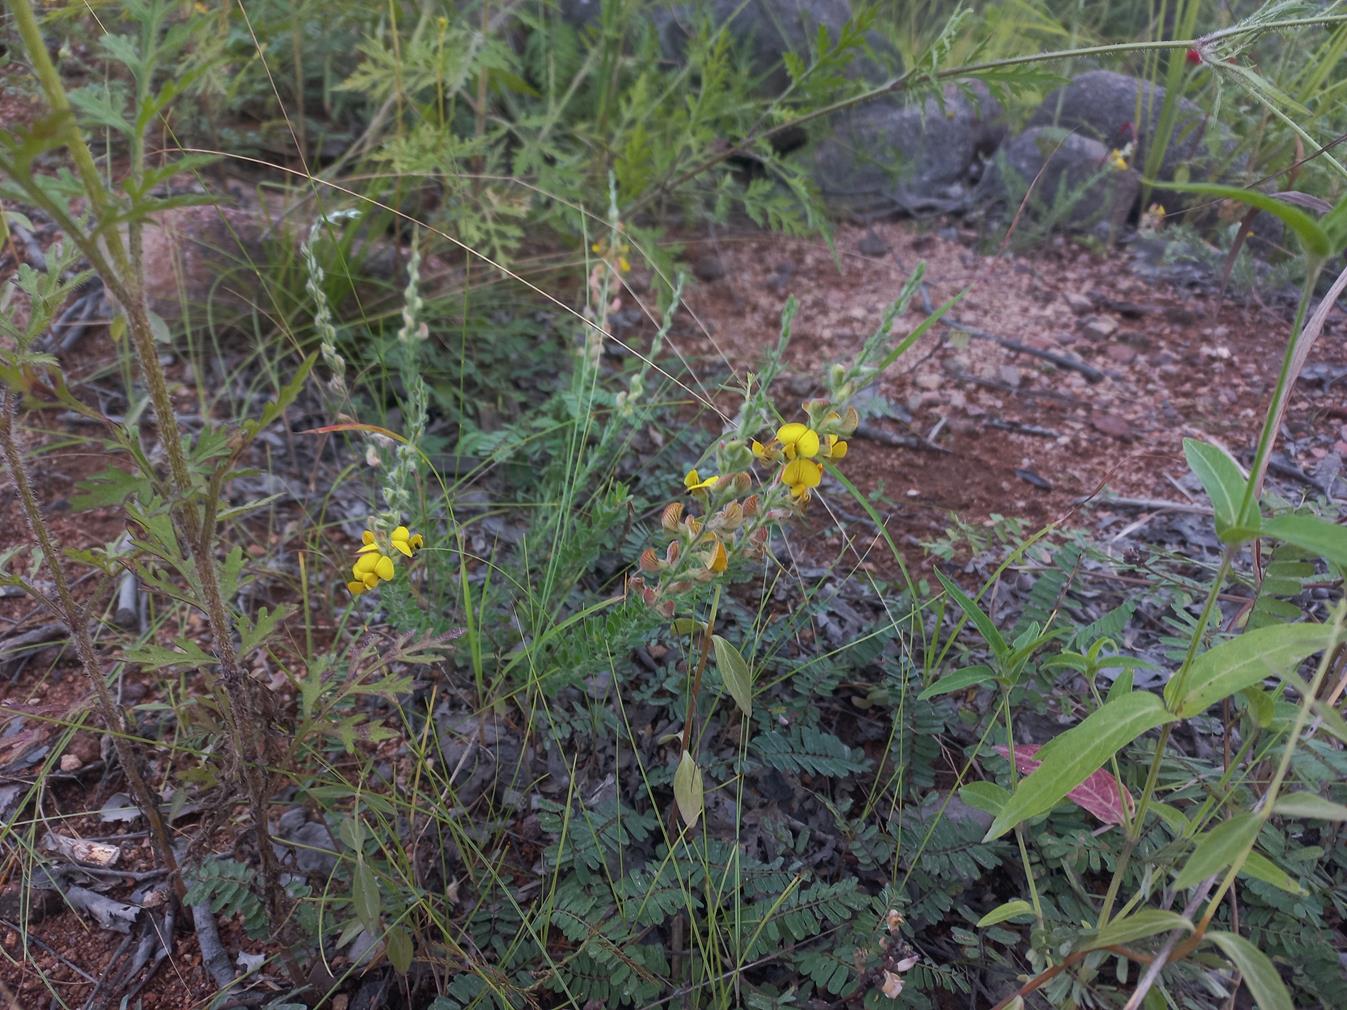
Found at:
(79, 632)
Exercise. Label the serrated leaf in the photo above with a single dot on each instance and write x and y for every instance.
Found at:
(1138, 925)
(1310, 807)
(1327, 540)
(969, 676)
(1219, 848)
(157, 657)
(365, 896)
(1076, 754)
(1260, 975)
(687, 784)
(1008, 910)
(1221, 478)
(735, 673)
(1244, 662)
(1097, 795)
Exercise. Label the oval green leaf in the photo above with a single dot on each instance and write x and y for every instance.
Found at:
(1009, 910)
(1260, 975)
(1310, 807)
(1327, 540)
(1219, 848)
(398, 947)
(1071, 758)
(1138, 925)
(365, 896)
(1243, 662)
(1221, 478)
(687, 784)
(735, 673)
(1259, 867)
(969, 676)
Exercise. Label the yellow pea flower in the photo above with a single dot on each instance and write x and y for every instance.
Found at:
(835, 449)
(799, 440)
(695, 482)
(800, 475)
(402, 538)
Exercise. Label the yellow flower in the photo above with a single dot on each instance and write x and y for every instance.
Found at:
(799, 440)
(835, 449)
(800, 475)
(695, 482)
(766, 453)
(717, 561)
(1117, 159)
(373, 566)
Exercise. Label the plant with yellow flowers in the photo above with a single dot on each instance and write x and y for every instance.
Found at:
(375, 562)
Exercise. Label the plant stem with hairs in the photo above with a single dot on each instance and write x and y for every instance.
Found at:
(74, 617)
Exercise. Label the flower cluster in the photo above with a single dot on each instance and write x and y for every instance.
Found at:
(801, 448)
(735, 521)
(375, 561)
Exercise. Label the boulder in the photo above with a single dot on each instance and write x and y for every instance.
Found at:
(1074, 186)
(890, 157)
(1114, 109)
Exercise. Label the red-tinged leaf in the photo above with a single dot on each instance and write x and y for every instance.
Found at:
(1097, 795)
(354, 426)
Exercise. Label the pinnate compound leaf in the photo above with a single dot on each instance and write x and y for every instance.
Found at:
(1097, 795)
(1260, 975)
(1243, 662)
(1071, 758)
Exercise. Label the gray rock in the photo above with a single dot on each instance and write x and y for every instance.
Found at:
(886, 157)
(1114, 108)
(1074, 186)
(765, 30)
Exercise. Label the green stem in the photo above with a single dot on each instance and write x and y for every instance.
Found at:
(1019, 832)
(1269, 433)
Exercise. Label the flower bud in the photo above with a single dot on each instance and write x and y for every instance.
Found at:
(672, 516)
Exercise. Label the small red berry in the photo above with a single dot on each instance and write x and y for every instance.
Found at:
(1194, 57)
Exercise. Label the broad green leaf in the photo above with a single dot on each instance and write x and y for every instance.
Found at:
(1259, 867)
(1071, 758)
(1218, 848)
(687, 626)
(1310, 807)
(969, 676)
(1311, 235)
(975, 614)
(398, 947)
(735, 673)
(687, 784)
(1260, 975)
(1006, 911)
(1327, 540)
(988, 797)
(1221, 478)
(1138, 925)
(1262, 706)
(1243, 662)
(365, 896)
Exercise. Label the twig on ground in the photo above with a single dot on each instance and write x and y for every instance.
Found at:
(1159, 504)
(213, 954)
(1091, 373)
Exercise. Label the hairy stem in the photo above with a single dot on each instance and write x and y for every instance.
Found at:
(74, 617)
